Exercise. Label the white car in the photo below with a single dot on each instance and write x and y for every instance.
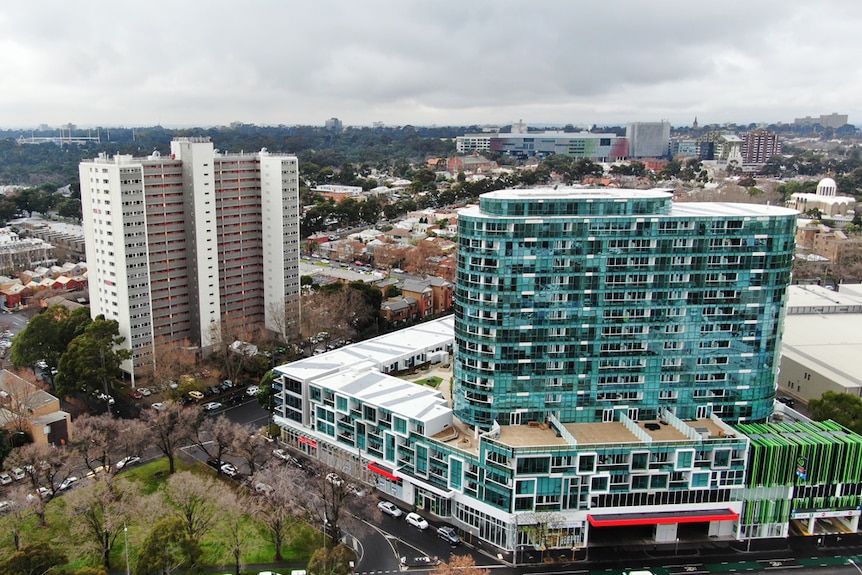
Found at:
(127, 461)
(212, 406)
(252, 390)
(334, 479)
(159, 406)
(389, 509)
(228, 469)
(5, 479)
(417, 521)
(145, 391)
(281, 454)
(17, 474)
(68, 482)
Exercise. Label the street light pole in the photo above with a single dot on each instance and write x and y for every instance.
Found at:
(126, 545)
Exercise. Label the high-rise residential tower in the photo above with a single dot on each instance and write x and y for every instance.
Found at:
(586, 304)
(178, 246)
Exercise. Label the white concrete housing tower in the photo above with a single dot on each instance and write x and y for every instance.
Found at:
(180, 245)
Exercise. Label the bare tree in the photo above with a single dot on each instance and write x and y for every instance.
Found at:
(46, 467)
(276, 506)
(460, 565)
(233, 532)
(215, 436)
(424, 258)
(170, 360)
(390, 255)
(21, 504)
(195, 501)
(232, 329)
(252, 447)
(170, 428)
(98, 515)
(99, 439)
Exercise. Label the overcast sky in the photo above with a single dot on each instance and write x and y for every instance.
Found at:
(205, 63)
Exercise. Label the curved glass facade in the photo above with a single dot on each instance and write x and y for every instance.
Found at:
(584, 303)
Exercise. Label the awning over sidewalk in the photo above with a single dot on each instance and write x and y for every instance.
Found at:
(662, 517)
(382, 471)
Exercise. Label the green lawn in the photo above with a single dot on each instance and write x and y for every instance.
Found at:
(431, 381)
(151, 476)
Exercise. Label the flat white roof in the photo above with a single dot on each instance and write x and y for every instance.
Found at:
(403, 398)
(830, 342)
(378, 352)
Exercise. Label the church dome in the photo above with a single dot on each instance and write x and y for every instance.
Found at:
(827, 187)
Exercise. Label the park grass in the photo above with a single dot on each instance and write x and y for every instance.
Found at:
(302, 542)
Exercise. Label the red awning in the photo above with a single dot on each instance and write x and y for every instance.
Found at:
(381, 471)
(661, 518)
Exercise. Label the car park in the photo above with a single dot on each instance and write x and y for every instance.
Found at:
(449, 535)
(127, 461)
(417, 521)
(390, 509)
(213, 405)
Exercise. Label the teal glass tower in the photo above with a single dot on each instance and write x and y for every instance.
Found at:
(579, 304)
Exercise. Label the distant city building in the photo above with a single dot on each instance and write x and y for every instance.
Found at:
(720, 146)
(338, 192)
(473, 143)
(648, 139)
(334, 124)
(596, 147)
(759, 146)
(832, 120)
(184, 246)
(683, 148)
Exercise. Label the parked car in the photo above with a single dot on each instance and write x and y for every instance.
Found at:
(68, 482)
(419, 561)
(5, 479)
(281, 454)
(194, 394)
(252, 390)
(226, 384)
(135, 394)
(212, 406)
(334, 479)
(145, 391)
(389, 508)
(449, 535)
(17, 474)
(127, 461)
(228, 469)
(159, 406)
(417, 521)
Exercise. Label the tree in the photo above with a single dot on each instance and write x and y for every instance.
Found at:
(98, 515)
(424, 258)
(460, 565)
(195, 502)
(170, 429)
(276, 508)
(233, 532)
(166, 548)
(47, 336)
(251, 447)
(101, 440)
(540, 527)
(843, 408)
(334, 561)
(33, 559)
(20, 506)
(45, 467)
(214, 436)
(92, 362)
(170, 360)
